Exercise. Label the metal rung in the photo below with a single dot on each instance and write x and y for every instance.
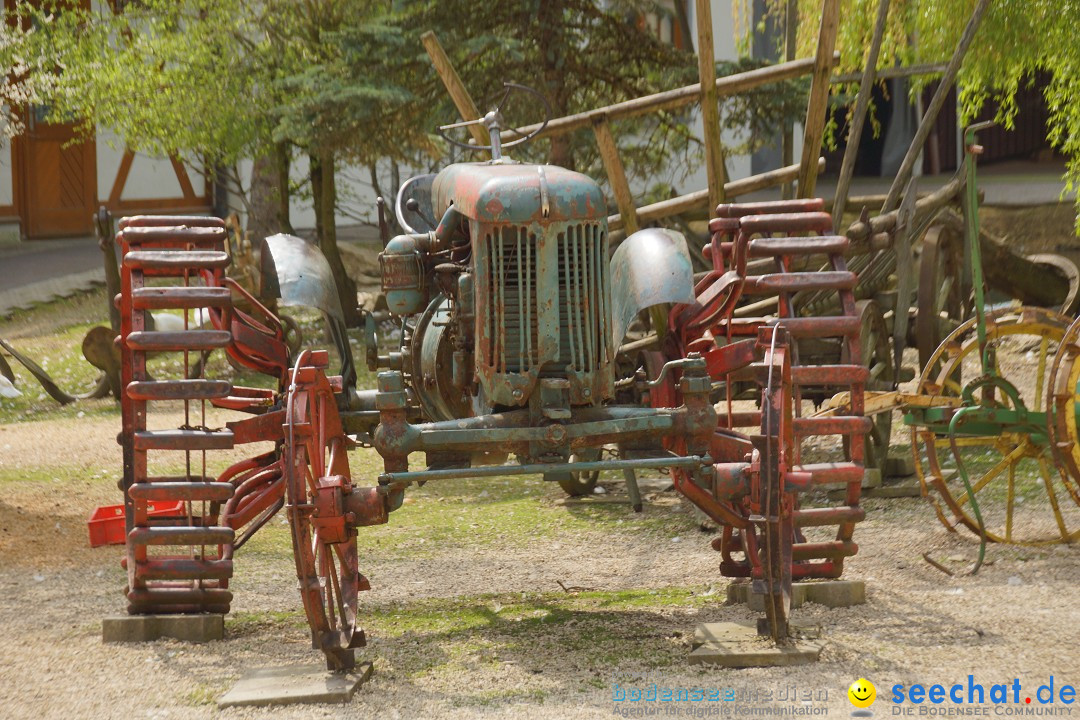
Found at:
(814, 551)
(165, 491)
(181, 536)
(818, 517)
(175, 235)
(183, 568)
(840, 472)
(157, 221)
(770, 207)
(183, 440)
(195, 389)
(153, 341)
(786, 222)
(800, 282)
(820, 327)
(850, 425)
(829, 375)
(168, 298)
(176, 259)
(813, 245)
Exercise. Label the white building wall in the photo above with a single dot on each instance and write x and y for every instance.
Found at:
(149, 178)
(7, 177)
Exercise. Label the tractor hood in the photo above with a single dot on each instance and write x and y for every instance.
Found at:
(517, 194)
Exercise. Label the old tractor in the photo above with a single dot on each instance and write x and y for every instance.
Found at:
(513, 311)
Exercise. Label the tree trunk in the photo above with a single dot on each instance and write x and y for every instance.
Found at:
(552, 58)
(315, 173)
(263, 215)
(281, 158)
(327, 233)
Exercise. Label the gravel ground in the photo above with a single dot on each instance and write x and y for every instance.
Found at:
(1015, 619)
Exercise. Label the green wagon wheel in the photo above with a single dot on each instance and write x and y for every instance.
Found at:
(1022, 498)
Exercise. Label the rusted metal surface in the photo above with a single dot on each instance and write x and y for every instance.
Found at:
(759, 539)
(515, 194)
(511, 314)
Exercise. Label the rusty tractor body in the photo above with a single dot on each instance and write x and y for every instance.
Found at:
(514, 315)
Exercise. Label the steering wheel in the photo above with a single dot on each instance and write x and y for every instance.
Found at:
(414, 200)
(493, 121)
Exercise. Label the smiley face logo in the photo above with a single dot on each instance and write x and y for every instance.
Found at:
(862, 693)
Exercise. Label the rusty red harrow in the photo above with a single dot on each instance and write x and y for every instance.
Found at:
(766, 527)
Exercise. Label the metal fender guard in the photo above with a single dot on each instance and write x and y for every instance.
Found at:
(296, 273)
(648, 268)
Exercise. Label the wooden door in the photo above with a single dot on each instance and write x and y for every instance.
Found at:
(59, 180)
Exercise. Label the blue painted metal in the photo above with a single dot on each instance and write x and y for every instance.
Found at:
(513, 193)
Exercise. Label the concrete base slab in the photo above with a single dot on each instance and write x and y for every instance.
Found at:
(830, 593)
(738, 645)
(723, 631)
(900, 466)
(295, 684)
(146, 628)
(897, 488)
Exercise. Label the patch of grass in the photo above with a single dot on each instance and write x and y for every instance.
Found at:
(444, 636)
(61, 475)
(514, 512)
(251, 623)
(203, 694)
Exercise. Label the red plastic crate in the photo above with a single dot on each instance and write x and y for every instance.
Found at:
(106, 523)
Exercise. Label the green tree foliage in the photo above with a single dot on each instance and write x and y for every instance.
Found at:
(583, 54)
(1016, 40)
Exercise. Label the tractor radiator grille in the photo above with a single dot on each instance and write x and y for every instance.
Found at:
(582, 297)
(513, 314)
(516, 301)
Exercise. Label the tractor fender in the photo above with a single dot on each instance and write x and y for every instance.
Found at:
(649, 268)
(296, 273)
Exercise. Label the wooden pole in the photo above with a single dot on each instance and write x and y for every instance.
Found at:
(699, 200)
(458, 93)
(710, 108)
(671, 99)
(932, 110)
(858, 117)
(609, 152)
(818, 105)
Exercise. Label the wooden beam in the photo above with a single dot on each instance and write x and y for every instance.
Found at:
(858, 116)
(818, 105)
(609, 152)
(458, 93)
(699, 200)
(182, 177)
(891, 73)
(710, 108)
(121, 177)
(671, 99)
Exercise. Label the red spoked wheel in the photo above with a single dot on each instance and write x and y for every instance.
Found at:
(318, 485)
(773, 502)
